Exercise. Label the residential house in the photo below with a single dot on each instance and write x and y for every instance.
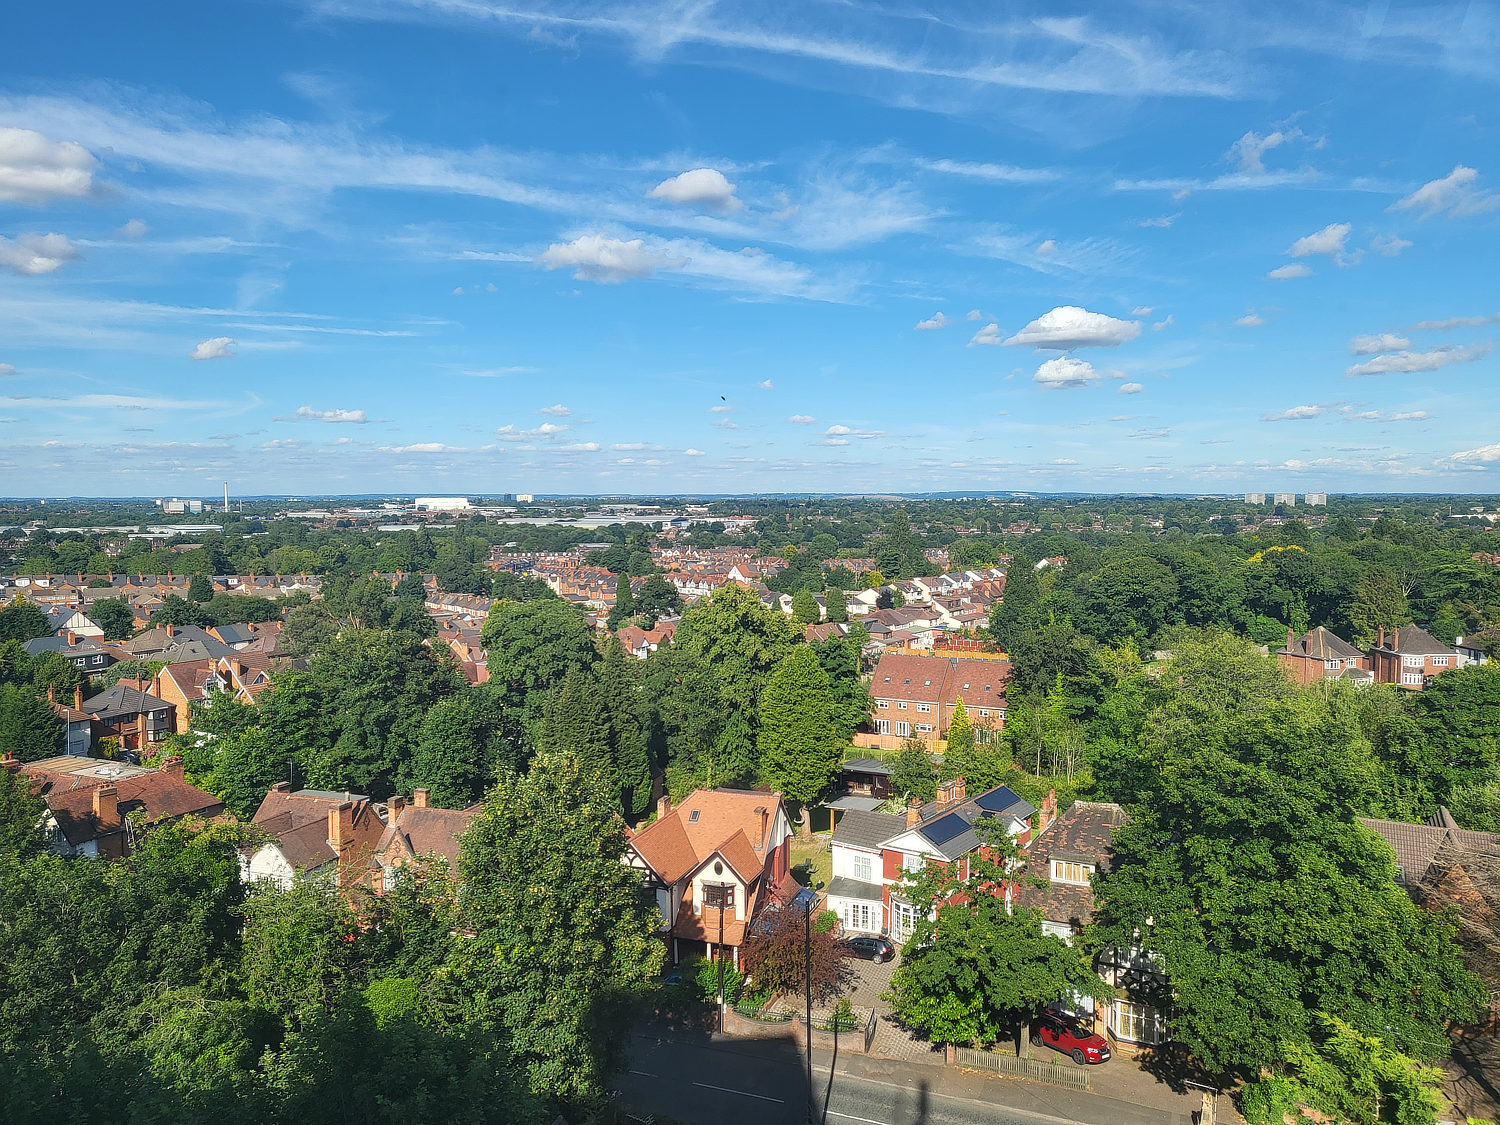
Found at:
(712, 864)
(136, 717)
(78, 727)
(1069, 852)
(916, 696)
(1410, 656)
(245, 675)
(641, 643)
(68, 619)
(182, 685)
(89, 802)
(314, 835)
(1321, 655)
(416, 831)
(86, 654)
(165, 643)
(872, 852)
(1469, 653)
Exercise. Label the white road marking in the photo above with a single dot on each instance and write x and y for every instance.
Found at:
(644, 1074)
(851, 1117)
(741, 1093)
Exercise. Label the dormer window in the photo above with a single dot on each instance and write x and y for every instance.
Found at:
(693, 816)
(1064, 871)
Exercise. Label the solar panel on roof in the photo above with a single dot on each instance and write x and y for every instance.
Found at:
(996, 800)
(943, 830)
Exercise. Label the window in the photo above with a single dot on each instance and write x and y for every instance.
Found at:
(882, 703)
(924, 728)
(859, 916)
(1135, 1022)
(882, 726)
(388, 878)
(901, 730)
(903, 919)
(983, 712)
(693, 817)
(1440, 662)
(717, 895)
(862, 867)
(1333, 665)
(1411, 679)
(901, 705)
(911, 861)
(1412, 661)
(1066, 872)
(924, 706)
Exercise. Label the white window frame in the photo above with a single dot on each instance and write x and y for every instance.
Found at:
(1333, 665)
(1071, 871)
(862, 867)
(1411, 679)
(924, 728)
(882, 704)
(913, 861)
(903, 919)
(882, 726)
(901, 705)
(1440, 662)
(1135, 1023)
(924, 707)
(1413, 661)
(901, 730)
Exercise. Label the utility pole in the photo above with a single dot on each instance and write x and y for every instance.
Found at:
(812, 1110)
(723, 890)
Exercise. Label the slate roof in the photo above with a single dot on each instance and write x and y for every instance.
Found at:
(1417, 845)
(428, 831)
(1320, 644)
(164, 796)
(867, 829)
(84, 646)
(122, 699)
(1080, 835)
(1411, 640)
(299, 822)
(156, 640)
(841, 886)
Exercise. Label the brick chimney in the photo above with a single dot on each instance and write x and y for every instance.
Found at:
(72, 638)
(171, 629)
(913, 812)
(663, 807)
(107, 806)
(393, 808)
(51, 693)
(1290, 637)
(282, 787)
(173, 767)
(1048, 812)
(78, 698)
(950, 793)
(341, 826)
(419, 798)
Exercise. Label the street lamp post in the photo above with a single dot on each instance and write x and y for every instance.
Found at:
(812, 1111)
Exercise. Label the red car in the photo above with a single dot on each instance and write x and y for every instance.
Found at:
(1071, 1036)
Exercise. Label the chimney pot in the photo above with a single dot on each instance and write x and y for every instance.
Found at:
(419, 798)
(107, 806)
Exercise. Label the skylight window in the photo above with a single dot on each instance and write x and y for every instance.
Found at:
(693, 817)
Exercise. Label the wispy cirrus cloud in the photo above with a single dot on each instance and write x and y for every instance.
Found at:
(1407, 362)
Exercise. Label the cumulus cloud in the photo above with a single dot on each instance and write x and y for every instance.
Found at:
(1161, 325)
(1287, 272)
(35, 169)
(629, 446)
(511, 432)
(1457, 194)
(692, 453)
(1250, 320)
(32, 254)
(1293, 414)
(988, 335)
(1379, 342)
(932, 324)
(701, 187)
(557, 410)
(849, 431)
(1131, 388)
(215, 347)
(356, 416)
(1065, 371)
(721, 408)
(1047, 248)
(802, 419)
(1484, 453)
(1330, 240)
(974, 314)
(1389, 245)
(1406, 362)
(1067, 327)
(766, 385)
(420, 447)
(608, 259)
(834, 441)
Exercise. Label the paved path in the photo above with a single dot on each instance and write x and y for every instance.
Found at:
(764, 1082)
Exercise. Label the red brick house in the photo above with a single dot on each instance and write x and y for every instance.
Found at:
(314, 834)
(1409, 657)
(1321, 655)
(713, 864)
(416, 831)
(915, 696)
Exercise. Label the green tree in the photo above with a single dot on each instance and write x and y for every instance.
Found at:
(731, 761)
(912, 773)
(299, 950)
(22, 621)
(658, 598)
(564, 943)
(834, 606)
(620, 678)
(800, 746)
(573, 723)
(29, 729)
(1379, 603)
(974, 969)
(460, 750)
(959, 755)
(307, 628)
(175, 610)
(20, 814)
(1019, 611)
(624, 606)
(851, 698)
(805, 609)
(531, 646)
(200, 589)
(114, 616)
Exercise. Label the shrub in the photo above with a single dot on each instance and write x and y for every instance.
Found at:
(825, 923)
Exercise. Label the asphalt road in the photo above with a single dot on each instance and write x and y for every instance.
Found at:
(765, 1083)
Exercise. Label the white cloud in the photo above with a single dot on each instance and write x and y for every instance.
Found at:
(1484, 453)
(580, 447)
(1159, 221)
(594, 257)
(133, 229)
(1250, 320)
(1142, 310)
(766, 385)
(34, 169)
(7, 369)
(1456, 194)
(834, 441)
(1293, 414)
(1431, 360)
(1163, 324)
(1330, 240)
(1065, 371)
(557, 410)
(511, 432)
(802, 419)
(1410, 416)
(1250, 150)
(1067, 327)
(1456, 322)
(720, 408)
(216, 347)
(1131, 388)
(32, 254)
(988, 335)
(974, 314)
(1389, 245)
(994, 173)
(421, 447)
(849, 431)
(1380, 342)
(726, 424)
(933, 324)
(356, 416)
(629, 446)
(1285, 273)
(1047, 248)
(693, 453)
(700, 187)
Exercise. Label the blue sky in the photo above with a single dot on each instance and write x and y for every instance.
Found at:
(458, 246)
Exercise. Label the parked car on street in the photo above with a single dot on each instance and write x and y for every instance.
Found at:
(877, 949)
(1071, 1036)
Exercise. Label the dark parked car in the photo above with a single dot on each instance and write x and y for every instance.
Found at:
(877, 949)
(1071, 1036)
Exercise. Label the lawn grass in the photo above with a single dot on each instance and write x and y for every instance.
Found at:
(812, 860)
